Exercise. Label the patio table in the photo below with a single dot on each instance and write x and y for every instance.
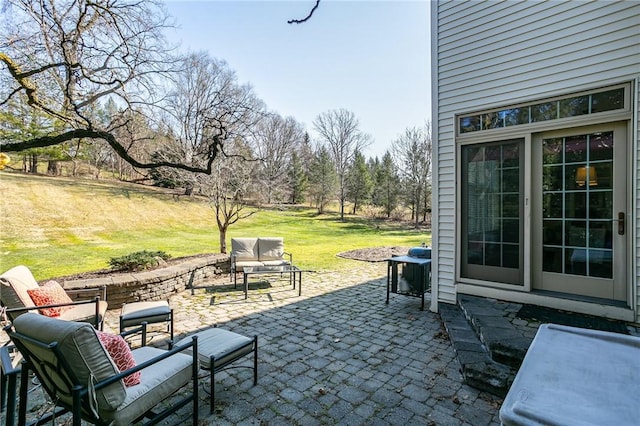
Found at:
(294, 272)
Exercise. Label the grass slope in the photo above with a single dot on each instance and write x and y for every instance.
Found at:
(60, 226)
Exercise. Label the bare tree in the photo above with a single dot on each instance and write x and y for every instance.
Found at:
(339, 130)
(62, 57)
(204, 107)
(276, 139)
(228, 186)
(412, 151)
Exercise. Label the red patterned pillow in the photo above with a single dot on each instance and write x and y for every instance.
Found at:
(50, 293)
(121, 355)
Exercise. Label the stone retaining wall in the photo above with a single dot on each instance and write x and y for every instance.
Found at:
(158, 284)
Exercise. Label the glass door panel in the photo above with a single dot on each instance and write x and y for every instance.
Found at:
(492, 212)
(581, 195)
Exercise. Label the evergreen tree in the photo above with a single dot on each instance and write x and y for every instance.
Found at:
(298, 179)
(359, 182)
(387, 185)
(322, 178)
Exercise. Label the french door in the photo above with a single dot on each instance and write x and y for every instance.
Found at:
(579, 212)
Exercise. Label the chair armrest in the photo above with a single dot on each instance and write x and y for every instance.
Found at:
(57, 305)
(290, 255)
(142, 329)
(85, 293)
(176, 349)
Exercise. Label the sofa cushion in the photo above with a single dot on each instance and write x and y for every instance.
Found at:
(82, 350)
(50, 293)
(244, 248)
(270, 248)
(14, 285)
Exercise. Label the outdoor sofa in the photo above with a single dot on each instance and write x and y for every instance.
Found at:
(259, 251)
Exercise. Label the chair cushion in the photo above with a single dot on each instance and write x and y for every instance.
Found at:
(270, 248)
(157, 382)
(279, 262)
(135, 313)
(120, 354)
(85, 312)
(50, 293)
(247, 263)
(244, 248)
(223, 345)
(14, 284)
(82, 350)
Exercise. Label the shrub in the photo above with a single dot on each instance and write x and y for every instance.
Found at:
(138, 260)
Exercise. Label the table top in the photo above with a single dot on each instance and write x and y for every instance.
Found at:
(266, 269)
(576, 376)
(408, 259)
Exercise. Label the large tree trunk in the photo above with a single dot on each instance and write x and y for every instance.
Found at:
(53, 168)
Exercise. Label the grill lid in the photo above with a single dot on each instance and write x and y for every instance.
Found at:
(420, 252)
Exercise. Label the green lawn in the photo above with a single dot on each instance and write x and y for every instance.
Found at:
(61, 226)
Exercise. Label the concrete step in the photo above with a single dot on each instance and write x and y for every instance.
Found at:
(478, 369)
(503, 341)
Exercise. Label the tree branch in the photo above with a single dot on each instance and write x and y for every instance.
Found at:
(300, 21)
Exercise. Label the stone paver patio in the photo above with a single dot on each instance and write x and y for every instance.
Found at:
(335, 355)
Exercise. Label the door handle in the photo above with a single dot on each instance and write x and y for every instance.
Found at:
(621, 223)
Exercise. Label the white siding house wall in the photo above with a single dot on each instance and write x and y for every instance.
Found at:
(489, 54)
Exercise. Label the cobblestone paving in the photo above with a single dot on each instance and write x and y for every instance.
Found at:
(337, 355)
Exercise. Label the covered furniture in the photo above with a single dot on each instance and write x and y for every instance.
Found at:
(18, 283)
(261, 251)
(218, 348)
(416, 272)
(134, 314)
(80, 376)
(576, 376)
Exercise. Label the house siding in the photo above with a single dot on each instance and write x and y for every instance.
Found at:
(495, 53)
(636, 204)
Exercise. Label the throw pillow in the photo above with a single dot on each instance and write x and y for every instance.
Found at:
(50, 293)
(121, 355)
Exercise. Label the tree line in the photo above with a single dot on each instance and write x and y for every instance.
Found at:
(96, 82)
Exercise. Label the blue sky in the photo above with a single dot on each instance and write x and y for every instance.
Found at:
(370, 57)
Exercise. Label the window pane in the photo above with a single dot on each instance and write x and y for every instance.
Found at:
(574, 106)
(492, 120)
(600, 263)
(552, 234)
(511, 230)
(576, 261)
(576, 233)
(544, 112)
(552, 259)
(575, 205)
(601, 146)
(511, 255)
(469, 124)
(552, 205)
(575, 149)
(600, 234)
(552, 178)
(552, 151)
(601, 205)
(515, 116)
(607, 101)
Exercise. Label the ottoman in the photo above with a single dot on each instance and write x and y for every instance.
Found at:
(134, 314)
(218, 348)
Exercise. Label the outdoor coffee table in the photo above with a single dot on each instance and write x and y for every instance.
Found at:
(293, 271)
